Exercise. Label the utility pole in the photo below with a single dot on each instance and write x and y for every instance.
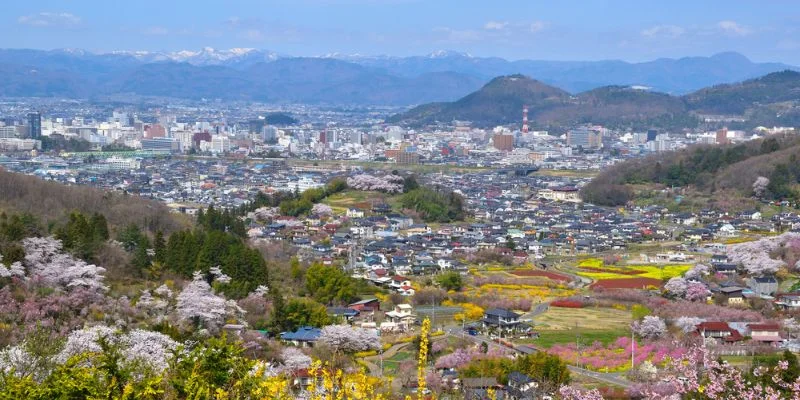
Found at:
(633, 349)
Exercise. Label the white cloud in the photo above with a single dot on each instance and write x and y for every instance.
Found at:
(495, 25)
(537, 26)
(733, 28)
(50, 19)
(667, 31)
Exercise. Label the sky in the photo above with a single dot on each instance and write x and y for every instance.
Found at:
(767, 30)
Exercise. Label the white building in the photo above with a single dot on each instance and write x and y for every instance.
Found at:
(220, 144)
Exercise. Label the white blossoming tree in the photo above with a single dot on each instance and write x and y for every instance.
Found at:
(687, 324)
(347, 339)
(760, 186)
(294, 359)
(321, 210)
(366, 182)
(650, 327)
(198, 304)
(45, 260)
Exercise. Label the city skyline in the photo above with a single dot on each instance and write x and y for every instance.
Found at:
(516, 30)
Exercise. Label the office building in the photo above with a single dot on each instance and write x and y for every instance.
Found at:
(586, 138)
(161, 144)
(503, 142)
(35, 125)
(651, 134)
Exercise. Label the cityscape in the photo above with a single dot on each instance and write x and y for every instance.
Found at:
(284, 221)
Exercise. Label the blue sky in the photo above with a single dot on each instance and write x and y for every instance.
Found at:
(533, 29)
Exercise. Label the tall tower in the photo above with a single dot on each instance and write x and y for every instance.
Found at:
(525, 119)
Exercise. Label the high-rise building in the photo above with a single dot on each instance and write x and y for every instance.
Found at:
(722, 136)
(35, 125)
(651, 134)
(585, 137)
(503, 142)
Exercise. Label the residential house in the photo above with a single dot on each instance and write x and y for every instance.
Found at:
(501, 319)
(478, 388)
(366, 305)
(787, 300)
(765, 333)
(345, 313)
(763, 285)
(733, 294)
(402, 317)
(304, 336)
(521, 387)
(719, 331)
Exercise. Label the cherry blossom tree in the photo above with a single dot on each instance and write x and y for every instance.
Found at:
(698, 375)
(86, 340)
(688, 324)
(321, 210)
(366, 182)
(650, 327)
(218, 275)
(574, 393)
(755, 256)
(760, 186)
(265, 213)
(149, 348)
(676, 287)
(45, 260)
(696, 291)
(697, 271)
(152, 349)
(345, 338)
(294, 359)
(198, 304)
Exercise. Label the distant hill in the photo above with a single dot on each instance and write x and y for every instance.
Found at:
(250, 74)
(769, 100)
(501, 102)
(737, 98)
(721, 172)
(498, 102)
(51, 202)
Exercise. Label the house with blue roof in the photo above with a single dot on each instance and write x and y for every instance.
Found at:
(304, 336)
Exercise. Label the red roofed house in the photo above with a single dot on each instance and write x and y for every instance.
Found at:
(719, 331)
(765, 333)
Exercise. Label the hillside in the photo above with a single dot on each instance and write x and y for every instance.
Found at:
(51, 202)
(501, 101)
(498, 102)
(716, 171)
(769, 100)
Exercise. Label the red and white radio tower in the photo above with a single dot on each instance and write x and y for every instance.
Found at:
(525, 119)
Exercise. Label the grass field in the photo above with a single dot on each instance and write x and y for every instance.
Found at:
(549, 338)
(390, 364)
(558, 318)
(340, 202)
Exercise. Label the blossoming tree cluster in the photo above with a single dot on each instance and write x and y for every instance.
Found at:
(387, 183)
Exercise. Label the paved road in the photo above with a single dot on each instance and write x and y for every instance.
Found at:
(540, 308)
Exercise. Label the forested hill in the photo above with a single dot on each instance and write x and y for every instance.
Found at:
(769, 100)
(52, 202)
(708, 169)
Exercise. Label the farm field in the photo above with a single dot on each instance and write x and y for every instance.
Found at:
(595, 269)
(340, 202)
(561, 325)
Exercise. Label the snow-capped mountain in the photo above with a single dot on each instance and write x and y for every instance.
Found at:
(205, 56)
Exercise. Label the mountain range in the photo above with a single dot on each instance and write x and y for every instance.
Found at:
(260, 75)
(769, 100)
